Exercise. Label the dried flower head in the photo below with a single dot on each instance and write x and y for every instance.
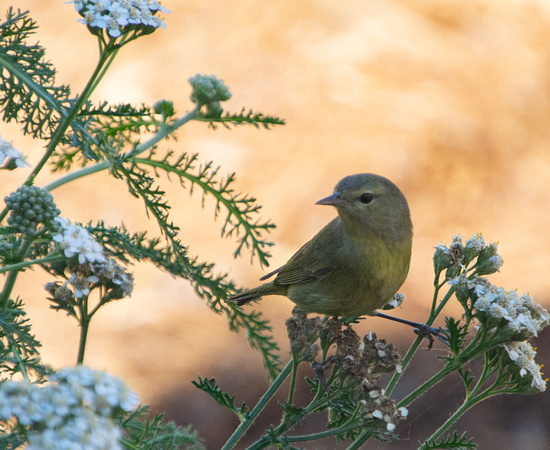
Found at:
(303, 334)
(365, 360)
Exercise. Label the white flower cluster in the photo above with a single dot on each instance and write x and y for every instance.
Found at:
(477, 242)
(524, 356)
(7, 151)
(81, 284)
(459, 255)
(111, 272)
(76, 240)
(113, 15)
(521, 314)
(381, 407)
(72, 411)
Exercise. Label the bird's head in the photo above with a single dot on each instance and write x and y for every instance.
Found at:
(371, 204)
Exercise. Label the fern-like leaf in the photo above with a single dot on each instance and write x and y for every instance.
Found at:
(242, 118)
(210, 286)
(18, 347)
(28, 93)
(455, 442)
(211, 388)
(150, 434)
(240, 210)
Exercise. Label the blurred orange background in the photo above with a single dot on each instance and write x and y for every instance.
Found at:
(448, 99)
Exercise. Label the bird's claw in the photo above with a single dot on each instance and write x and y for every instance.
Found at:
(429, 332)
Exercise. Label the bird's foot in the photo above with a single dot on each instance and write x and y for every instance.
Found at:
(429, 332)
(420, 329)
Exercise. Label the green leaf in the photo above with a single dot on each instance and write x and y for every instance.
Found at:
(18, 347)
(456, 334)
(103, 132)
(242, 118)
(453, 442)
(241, 210)
(210, 286)
(211, 388)
(152, 434)
(28, 93)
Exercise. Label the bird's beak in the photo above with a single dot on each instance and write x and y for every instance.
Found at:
(331, 200)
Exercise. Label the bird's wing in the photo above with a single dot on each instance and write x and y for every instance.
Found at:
(270, 274)
(297, 275)
(312, 261)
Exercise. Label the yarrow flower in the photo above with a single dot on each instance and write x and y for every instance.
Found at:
(115, 281)
(118, 282)
(73, 410)
(77, 241)
(457, 257)
(523, 355)
(449, 258)
(116, 15)
(81, 284)
(477, 242)
(9, 152)
(102, 391)
(495, 306)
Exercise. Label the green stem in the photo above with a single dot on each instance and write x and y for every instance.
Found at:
(129, 444)
(49, 258)
(68, 117)
(360, 440)
(474, 349)
(164, 131)
(318, 403)
(17, 357)
(85, 171)
(449, 368)
(12, 275)
(349, 426)
(110, 51)
(293, 382)
(84, 326)
(366, 434)
(102, 302)
(73, 112)
(241, 430)
(414, 347)
(468, 403)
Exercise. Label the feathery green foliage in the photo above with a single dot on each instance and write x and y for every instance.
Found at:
(209, 386)
(19, 348)
(151, 434)
(28, 93)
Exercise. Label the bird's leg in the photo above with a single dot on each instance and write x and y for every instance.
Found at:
(419, 328)
(320, 367)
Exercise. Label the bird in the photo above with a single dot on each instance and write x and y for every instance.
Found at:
(357, 262)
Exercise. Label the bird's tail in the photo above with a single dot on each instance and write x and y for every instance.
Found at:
(249, 295)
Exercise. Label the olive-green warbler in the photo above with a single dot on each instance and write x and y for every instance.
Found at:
(357, 262)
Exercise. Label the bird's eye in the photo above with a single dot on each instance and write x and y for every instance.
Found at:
(366, 197)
